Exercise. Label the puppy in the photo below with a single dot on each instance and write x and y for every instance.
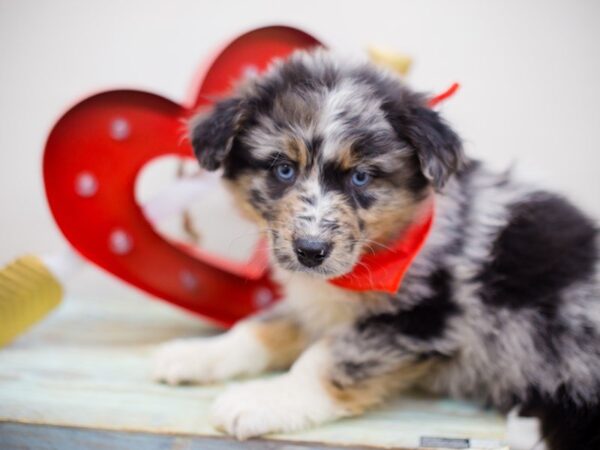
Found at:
(335, 159)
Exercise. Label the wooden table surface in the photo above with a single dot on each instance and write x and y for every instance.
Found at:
(80, 379)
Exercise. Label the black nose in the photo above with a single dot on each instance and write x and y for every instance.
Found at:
(311, 252)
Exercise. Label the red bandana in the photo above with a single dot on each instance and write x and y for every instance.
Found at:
(385, 269)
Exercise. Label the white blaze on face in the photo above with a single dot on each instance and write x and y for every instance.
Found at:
(331, 126)
(346, 107)
(319, 210)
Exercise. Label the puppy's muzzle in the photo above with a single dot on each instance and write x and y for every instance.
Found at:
(311, 252)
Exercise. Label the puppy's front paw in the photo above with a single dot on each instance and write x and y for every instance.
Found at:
(207, 360)
(281, 404)
(184, 361)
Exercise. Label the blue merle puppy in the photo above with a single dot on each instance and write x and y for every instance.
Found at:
(336, 158)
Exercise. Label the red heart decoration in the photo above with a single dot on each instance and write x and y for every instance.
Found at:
(93, 156)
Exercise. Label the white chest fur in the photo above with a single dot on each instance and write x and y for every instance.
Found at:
(320, 305)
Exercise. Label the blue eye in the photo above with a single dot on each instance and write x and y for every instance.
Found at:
(285, 172)
(360, 178)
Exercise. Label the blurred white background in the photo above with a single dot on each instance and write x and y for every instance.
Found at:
(530, 73)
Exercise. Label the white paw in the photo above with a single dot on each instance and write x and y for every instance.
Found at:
(278, 405)
(207, 360)
(185, 361)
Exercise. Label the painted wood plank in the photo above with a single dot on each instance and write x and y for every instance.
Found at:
(88, 366)
(15, 436)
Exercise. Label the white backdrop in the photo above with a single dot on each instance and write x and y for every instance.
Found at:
(530, 73)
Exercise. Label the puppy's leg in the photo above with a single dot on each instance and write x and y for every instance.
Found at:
(269, 341)
(334, 378)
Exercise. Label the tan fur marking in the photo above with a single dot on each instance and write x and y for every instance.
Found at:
(298, 152)
(239, 190)
(385, 220)
(284, 339)
(362, 395)
(345, 159)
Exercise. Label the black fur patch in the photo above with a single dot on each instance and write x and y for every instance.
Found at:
(309, 199)
(259, 202)
(306, 218)
(565, 424)
(438, 147)
(211, 136)
(369, 143)
(547, 245)
(241, 160)
(313, 145)
(276, 188)
(426, 320)
(257, 199)
(335, 178)
(416, 183)
(330, 225)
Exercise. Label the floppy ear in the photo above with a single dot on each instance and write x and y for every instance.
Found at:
(438, 147)
(212, 132)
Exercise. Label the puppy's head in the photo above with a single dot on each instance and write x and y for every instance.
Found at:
(332, 157)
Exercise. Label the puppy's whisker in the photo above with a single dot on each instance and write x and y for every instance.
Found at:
(370, 241)
(247, 234)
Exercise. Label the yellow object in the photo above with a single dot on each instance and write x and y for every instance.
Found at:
(28, 291)
(391, 59)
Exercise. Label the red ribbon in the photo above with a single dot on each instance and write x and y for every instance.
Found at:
(385, 269)
(434, 101)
